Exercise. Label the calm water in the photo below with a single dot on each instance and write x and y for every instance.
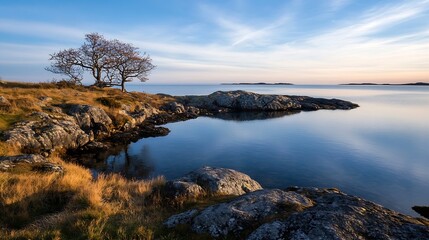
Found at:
(379, 151)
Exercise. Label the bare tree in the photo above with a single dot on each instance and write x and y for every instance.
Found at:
(127, 64)
(95, 56)
(110, 62)
(67, 62)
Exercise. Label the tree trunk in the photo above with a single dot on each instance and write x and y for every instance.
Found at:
(98, 77)
(123, 86)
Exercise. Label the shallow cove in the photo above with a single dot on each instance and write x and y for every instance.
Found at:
(378, 151)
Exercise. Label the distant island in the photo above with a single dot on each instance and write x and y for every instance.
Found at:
(394, 84)
(259, 83)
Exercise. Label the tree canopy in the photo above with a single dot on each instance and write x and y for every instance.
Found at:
(110, 62)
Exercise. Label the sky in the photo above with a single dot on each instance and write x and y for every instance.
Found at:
(197, 41)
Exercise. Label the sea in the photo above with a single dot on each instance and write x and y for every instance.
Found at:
(378, 151)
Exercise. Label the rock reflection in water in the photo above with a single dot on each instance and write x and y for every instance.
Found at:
(253, 115)
(137, 166)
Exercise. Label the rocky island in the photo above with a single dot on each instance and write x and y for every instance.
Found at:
(258, 83)
(46, 196)
(389, 84)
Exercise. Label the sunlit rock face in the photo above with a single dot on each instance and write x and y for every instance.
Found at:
(210, 181)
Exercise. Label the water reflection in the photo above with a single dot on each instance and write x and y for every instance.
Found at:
(138, 166)
(378, 151)
(250, 116)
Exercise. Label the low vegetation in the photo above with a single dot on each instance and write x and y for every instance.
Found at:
(73, 205)
(26, 98)
(76, 206)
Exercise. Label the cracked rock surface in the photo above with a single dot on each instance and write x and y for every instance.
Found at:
(300, 213)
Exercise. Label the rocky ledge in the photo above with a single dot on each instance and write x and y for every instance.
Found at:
(75, 126)
(293, 213)
(248, 101)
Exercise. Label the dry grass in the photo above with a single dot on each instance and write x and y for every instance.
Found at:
(26, 98)
(74, 204)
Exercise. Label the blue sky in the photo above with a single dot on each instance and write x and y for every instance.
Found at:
(190, 41)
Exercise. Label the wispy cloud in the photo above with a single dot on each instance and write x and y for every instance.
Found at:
(219, 46)
(373, 21)
(238, 32)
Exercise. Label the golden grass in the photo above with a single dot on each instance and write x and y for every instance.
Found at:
(74, 204)
(26, 98)
(104, 208)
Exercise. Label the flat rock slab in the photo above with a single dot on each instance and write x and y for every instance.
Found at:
(242, 213)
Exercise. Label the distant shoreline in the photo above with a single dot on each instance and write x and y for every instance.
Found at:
(388, 84)
(260, 83)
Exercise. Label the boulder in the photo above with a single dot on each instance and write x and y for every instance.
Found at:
(242, 213)
(222, 181)
(174, 107)
(179, 191)
(193, 111)
(142, 113)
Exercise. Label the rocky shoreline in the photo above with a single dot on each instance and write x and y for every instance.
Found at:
(292, 213)
(251, 211)
(85, 128)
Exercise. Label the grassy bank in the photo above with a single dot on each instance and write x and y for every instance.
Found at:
(26, 98)
(73, 205)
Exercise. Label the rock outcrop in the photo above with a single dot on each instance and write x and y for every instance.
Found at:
(210, 181)
(93, 120)
(34, 161)
(47, 134)
(336, 215)
(300, 213)
(242, 213)
(247, 101)
(72, 126)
